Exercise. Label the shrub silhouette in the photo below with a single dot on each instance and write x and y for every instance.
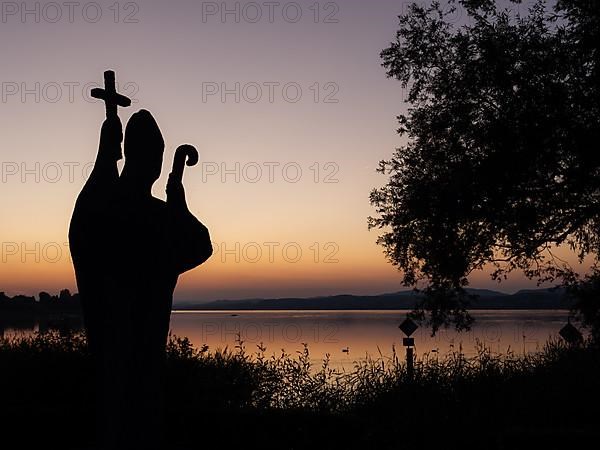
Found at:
(232, 396)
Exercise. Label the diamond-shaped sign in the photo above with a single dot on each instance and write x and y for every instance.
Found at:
(408, 327)
(570, 334)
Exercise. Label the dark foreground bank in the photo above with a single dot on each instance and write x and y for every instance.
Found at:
(240, 398)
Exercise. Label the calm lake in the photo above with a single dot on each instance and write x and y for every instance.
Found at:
(349, 335)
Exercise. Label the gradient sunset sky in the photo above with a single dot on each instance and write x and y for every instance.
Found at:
(283, 174)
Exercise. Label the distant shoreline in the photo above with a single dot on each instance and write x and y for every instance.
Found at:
(543, 299)
(236, 309)
(66, 304)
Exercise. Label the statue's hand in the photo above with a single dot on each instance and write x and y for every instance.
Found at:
(175, 193)
(111, 137)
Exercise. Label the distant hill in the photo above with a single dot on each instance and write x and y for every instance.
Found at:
(65, 303)
(486, 299)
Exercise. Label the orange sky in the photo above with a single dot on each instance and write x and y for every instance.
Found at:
(281, 174)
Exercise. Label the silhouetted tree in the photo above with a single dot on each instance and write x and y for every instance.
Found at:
(23, 301)
(45, 299)
(502, 162)
(64, 296)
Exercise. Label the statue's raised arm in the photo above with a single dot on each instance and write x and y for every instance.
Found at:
(105, 170)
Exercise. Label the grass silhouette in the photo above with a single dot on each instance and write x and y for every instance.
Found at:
(234, 397)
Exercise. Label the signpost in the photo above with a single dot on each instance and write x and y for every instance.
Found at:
(570, 334)
(408, 327)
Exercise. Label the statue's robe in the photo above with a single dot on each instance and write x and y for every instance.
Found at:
(128, 251)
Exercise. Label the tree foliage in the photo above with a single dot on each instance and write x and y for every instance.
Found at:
(502, 163)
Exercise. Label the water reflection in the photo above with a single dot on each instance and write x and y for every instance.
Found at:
(350, 335)
(345, 335)
(26, 324)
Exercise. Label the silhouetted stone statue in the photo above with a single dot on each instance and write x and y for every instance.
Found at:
(128, 249)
